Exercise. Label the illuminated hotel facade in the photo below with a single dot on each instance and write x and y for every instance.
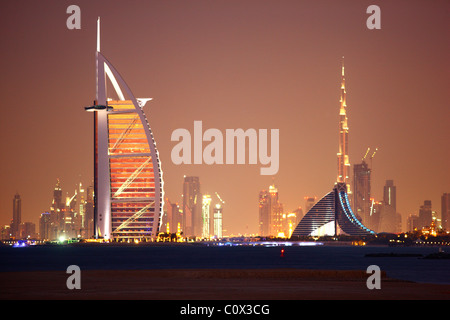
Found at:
(333, 215)
(128, 185)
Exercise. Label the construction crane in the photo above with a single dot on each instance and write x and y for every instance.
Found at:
(371, 157)
(223, 202)
(368, 149)
(373, 154)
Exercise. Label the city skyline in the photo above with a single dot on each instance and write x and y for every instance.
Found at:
(234, 65)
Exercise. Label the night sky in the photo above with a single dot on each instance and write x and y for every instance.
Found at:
(261, 64)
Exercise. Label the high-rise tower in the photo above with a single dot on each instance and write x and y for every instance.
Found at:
(361, 192)
(445, 211)
(192, 207)
(17, 215)
(343, 159)
(128, 186)
(270, 212)
(206, 203)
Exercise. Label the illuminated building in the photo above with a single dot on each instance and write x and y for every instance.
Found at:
(17, 216)
(289, 222)
(445, 211)
(270, 213)
(330, 216)
(412, 222)
(89, 213)
(205, 215)
(56, 212)
(128, 186)
(376, 207)
(390, 220)
(172, 216)
(68, 230)
(425, 214)
(80, 219)
(276, 213)
(361, 192)
(45, 226)
(217, 216)
(298, 215)
(5, 232)
(27, 230)
(264, 213)
(390, 194)
(343, 159)
(192, 207)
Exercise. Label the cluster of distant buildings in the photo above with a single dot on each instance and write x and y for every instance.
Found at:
(350, 205)
(382, 216)
(379, 216)
(198, 215)
(68, 217)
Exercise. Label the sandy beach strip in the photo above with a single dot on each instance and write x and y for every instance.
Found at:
(213, 284)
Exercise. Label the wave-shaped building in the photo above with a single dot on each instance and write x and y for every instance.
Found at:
(330, 216)
(127, 171)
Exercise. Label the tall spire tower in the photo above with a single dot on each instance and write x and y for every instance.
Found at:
(128, 185)
(343, 160)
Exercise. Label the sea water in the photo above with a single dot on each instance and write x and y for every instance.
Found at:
(119, 257)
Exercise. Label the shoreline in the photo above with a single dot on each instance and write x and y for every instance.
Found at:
(214, 284)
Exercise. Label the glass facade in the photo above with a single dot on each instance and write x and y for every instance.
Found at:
(331, 211)
(134, 211)
(321, 214)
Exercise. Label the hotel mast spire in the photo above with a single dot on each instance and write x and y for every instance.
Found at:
(98, 34)
(343, 159)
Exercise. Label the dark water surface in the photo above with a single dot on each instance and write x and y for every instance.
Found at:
(114, 257)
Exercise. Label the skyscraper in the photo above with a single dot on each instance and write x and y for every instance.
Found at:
(192, 207)
(173, 217)
(276, 213)
(206, 203)
(17, 216)
(264, 213)
(390, 220)
(445, 211)
(80, 218)
(270, 213)
(343, 158)
(89, 213)
(218, 222)
(412, 222)
(45, 226)
(361, 192)
(128, 186)
(425, 214)
(390, 194)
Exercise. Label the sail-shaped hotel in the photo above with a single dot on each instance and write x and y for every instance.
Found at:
(127, 171)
